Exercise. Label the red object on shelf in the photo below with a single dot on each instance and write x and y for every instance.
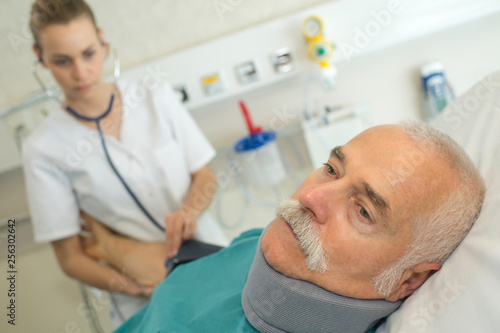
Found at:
(251, 128)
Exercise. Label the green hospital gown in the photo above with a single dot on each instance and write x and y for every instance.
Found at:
(201, 296)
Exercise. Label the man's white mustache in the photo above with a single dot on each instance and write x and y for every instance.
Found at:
(301, 223)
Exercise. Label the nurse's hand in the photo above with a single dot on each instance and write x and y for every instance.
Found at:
(144, 262)
(180, 226)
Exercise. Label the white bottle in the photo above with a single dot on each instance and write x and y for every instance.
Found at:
(437, 91)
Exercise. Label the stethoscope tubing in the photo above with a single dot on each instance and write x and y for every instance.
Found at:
(132, 194)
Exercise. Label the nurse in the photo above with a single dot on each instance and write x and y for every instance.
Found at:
(151, 139)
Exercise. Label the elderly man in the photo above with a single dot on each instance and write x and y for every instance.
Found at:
(359, 235)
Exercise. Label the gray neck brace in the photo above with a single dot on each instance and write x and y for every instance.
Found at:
(275, 303)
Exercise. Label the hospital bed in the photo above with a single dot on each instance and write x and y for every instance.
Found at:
(464, 296)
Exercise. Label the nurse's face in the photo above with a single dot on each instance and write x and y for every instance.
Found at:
(74, 54)
(360, 205)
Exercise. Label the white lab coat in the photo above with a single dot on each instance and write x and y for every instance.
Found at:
(160, 147)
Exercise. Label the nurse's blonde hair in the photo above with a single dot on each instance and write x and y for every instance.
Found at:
(47, 12)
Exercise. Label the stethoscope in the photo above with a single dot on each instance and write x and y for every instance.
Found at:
(116, 75)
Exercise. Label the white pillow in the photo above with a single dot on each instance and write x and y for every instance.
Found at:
(464, 296)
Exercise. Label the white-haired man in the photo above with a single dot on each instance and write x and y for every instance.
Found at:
(359, 235)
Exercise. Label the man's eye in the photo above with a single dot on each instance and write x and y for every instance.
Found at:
(330, 170)
(364, 213)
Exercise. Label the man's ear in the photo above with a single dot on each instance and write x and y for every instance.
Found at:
(413, 278)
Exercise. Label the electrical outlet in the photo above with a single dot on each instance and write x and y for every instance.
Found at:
(247, 72)
(212, 84)
(282, 60)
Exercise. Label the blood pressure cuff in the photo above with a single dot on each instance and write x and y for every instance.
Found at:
(189, 251)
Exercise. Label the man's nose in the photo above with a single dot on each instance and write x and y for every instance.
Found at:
(322, 199)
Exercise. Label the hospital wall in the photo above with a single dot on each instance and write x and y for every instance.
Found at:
(154, 28)
(387, 80)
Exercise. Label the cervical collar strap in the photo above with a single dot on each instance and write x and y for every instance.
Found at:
(273, 302)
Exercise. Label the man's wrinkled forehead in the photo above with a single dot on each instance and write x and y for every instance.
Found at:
(406, 160)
